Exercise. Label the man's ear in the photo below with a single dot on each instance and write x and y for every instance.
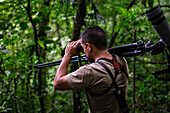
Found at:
(89, 47)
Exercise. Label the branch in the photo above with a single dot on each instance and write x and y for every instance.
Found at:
(165, 6)
(28, 9)
(113, 39)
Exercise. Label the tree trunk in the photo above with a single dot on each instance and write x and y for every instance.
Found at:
(42, 73)
(38, 50)
(79, 21)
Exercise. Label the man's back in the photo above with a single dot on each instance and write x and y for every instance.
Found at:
(95, 79)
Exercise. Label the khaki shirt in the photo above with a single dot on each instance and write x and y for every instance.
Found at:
(94, 78)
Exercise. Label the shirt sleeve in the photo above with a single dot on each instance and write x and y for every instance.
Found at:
(81, 78)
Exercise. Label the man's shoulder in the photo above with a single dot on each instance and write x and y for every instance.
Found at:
(90, 66)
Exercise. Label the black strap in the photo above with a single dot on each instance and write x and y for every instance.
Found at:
(110, 74)
(113, 82)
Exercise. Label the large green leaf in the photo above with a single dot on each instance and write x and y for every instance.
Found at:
(41, 43)
(31, 43)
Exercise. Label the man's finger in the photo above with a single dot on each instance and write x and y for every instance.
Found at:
(72, 43)
(77, 43)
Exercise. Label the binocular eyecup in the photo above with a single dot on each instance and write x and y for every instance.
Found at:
(79, 49)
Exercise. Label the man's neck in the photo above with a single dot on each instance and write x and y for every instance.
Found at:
(102, 54)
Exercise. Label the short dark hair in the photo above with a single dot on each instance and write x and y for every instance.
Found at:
(94, 35)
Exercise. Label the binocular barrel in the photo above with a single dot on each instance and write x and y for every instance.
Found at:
(160, 23)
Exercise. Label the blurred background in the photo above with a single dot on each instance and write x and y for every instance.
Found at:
(36, 31)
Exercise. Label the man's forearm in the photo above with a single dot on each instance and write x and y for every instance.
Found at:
(60, 80)
(62, 70)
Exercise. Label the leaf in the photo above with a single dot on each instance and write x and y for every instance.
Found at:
(31, 43)
(41, 43)
(14, 32)
(46, 28)
(41, 60)
(37, 20)
(23, 26)
(49, 41)
(35, 60)
(18, 17)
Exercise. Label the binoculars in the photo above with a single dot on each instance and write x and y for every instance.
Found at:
(79, 49)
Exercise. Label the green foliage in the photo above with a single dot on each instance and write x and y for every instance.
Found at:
(53, 22)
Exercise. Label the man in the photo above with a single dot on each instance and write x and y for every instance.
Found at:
(93, 77)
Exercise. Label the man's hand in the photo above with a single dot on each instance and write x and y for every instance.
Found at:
(71, 48)
(60, 80)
